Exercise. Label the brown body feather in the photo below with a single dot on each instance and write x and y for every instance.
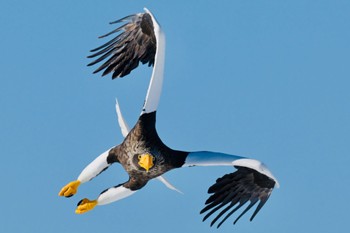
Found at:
(142, 139)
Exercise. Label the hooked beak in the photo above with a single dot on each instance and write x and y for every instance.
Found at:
(146, 161)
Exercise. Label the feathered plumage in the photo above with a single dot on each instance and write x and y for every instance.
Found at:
(143, 154)
(233, 190)
(136, 43)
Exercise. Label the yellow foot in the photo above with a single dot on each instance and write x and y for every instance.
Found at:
(85, 205)
(70, 189)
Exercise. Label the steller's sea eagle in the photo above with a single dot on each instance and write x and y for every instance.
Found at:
(143, 154)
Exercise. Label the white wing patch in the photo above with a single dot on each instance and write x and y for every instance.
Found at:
(209, 158)
(257, 166)
(156, 83)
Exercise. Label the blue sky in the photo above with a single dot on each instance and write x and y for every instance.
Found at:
(264, 79)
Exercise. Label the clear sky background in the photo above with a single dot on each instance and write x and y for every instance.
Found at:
(264, 79)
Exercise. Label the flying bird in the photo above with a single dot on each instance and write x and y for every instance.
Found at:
(143, 154)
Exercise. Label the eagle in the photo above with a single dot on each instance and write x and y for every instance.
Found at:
(142, 153)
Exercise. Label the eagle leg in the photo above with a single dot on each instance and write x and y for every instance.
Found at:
(70, 189)
(85, 205)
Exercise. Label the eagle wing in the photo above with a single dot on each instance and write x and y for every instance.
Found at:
(136, 43)
(253, 182)
(233, 190)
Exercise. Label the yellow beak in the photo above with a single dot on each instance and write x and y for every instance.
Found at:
(146, 161)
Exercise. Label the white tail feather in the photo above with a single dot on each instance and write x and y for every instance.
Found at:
(122, 123)
(167, 184)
